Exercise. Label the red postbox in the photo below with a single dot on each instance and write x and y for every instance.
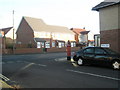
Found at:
(68, 50)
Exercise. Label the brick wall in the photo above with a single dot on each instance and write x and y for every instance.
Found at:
(24, 34)
(111, 37)
(36, 50)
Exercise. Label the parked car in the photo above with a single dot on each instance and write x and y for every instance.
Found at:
(97, 55)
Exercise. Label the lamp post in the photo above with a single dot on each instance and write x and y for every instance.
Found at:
(51, 39)
(13, 33)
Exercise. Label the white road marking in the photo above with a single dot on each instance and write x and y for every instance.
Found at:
(37, 64)
(4, 77)
(96, 75)
(41, 65)
(61, 59)
(27, 66)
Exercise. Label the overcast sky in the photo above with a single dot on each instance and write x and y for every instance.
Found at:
(68, 13)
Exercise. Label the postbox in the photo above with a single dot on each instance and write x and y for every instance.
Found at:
(68, 50)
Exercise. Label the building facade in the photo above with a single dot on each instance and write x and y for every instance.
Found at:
(97, 40)
(81, 36)
(36, 33)
(6, 35)
(109, 23)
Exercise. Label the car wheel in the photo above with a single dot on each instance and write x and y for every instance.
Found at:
(116, 65)
(80, 62)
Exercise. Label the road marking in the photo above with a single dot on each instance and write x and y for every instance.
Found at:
(61, 59)
(4, 77)
(37, 64)
(72, 61)
(96, 75)
(41, 65)
(74, 64)
(27, 66)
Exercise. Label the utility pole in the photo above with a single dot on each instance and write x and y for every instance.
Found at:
(13, 33)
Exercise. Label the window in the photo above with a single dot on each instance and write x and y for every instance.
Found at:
(53, 44)
(47, 45)
(19, 43)
(63, 44)
(99, 51)
(38, 45)
(110, 51)
(60, 44)
(89, 50)
(72, 44)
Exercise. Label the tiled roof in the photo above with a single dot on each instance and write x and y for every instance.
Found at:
(40, 26)
(104, 4)
(6, 30)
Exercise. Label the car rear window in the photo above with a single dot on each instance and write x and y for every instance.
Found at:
(110, 51)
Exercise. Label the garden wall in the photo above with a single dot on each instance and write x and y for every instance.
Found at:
(36, 50)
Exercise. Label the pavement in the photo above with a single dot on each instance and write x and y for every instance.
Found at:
(4, 85)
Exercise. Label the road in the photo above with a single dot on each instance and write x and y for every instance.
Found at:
(52, 70)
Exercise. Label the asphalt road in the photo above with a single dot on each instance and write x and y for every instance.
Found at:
(52, 70)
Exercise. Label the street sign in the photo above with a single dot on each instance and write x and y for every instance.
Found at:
(105, 45)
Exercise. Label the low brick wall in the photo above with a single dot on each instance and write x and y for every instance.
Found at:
(27, 50)
(56, 49)
(7, 51)
(36, 50)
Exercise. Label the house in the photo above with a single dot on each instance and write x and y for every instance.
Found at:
(33, 32)
(109, 11)
(91, 43)
(81, 36)
(6, 35)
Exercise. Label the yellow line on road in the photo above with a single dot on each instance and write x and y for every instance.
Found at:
(4, 85)
(74, 64)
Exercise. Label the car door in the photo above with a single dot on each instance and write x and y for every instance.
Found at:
(100, 56)
(88, 55)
